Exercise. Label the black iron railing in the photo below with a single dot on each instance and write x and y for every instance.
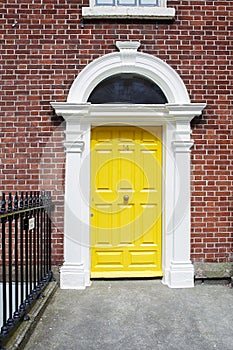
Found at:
(25, 255)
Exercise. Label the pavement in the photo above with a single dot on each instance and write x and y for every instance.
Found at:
(137, 315)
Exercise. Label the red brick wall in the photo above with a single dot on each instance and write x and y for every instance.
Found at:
(44, 52)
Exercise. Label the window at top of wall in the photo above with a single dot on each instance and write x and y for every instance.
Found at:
(126, 2)
(147, 9)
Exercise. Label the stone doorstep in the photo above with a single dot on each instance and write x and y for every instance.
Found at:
(213, 270)
(20, 337)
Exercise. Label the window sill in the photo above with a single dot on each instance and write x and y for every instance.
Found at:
(128, 12)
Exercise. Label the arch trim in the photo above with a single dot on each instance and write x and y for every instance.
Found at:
(129, 60)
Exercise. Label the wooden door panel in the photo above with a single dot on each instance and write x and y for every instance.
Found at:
(126, 232)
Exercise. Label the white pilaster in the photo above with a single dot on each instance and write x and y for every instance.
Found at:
(168, 199)
(75, 272)
(181, 273)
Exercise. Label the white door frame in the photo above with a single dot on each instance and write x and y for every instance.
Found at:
(174, 117)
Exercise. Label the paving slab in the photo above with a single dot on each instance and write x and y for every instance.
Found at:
(137, 315)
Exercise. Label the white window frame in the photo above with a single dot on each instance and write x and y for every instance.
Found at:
(121, 3)
(161, 11)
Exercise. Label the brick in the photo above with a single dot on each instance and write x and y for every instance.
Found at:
(39, 61)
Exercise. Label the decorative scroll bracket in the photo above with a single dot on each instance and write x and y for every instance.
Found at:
(128, 51)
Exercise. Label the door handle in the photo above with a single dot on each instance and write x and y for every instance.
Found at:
(126, 198)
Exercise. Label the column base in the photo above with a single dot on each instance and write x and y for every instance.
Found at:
(166, 276)
(181, 275)
(73, 276)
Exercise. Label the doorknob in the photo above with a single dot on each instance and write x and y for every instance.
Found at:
(126, 198)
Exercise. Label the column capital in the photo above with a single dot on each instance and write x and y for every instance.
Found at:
(74, 146)
(74, 140)
(182, 146)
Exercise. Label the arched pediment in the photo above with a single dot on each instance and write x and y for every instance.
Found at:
(129, 60)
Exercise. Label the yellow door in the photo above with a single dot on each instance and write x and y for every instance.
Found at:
(126, 202)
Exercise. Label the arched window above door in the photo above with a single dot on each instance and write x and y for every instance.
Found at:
(127, 88)
(128, 61)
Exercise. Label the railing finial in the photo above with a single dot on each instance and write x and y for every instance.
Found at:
(9, 204)
(30, 199)
(16, 202)
(3, 204)
(26, 201)
(21, 201)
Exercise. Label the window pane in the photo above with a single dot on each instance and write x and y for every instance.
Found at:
(148, 2)
(105, 2)
(127, 88)
(127, 2)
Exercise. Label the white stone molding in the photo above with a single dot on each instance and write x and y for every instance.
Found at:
(174, 117)
(133, 114)
(181, 272)
(128, 51)
(74, 147)
(175, 121)
(75, 272)
(137, 62)
(127, 45)
(73, 139)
